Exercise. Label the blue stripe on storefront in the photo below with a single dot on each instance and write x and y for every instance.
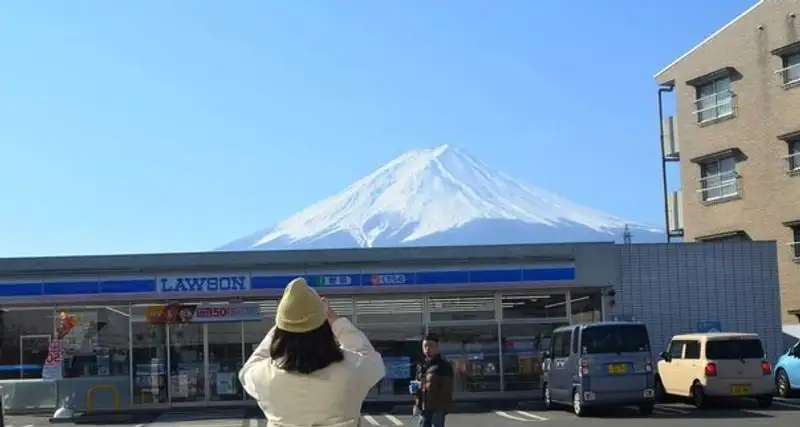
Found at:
(20, 289)
(127, 286)
(77, 288)
(340, 281)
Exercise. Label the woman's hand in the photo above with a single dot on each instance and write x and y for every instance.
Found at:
(332, 316)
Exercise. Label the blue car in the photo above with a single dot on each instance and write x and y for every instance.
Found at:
(787, 372)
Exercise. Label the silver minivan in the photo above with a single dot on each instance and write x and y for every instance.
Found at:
(599, 364)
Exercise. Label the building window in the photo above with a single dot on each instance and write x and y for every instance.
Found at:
(718, 179)
(791, 69)
(796, 241)
(793, 158)
(714, 100)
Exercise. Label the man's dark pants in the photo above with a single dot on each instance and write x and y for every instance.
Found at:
(431, 419)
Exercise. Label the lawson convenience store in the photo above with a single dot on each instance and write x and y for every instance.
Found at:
(177, 334)
(174, 329)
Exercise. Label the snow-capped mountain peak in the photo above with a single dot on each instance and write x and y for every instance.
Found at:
(427, 192)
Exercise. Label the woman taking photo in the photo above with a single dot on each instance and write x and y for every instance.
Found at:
(314, 368)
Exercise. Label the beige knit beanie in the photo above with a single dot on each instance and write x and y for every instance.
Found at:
(300, 309)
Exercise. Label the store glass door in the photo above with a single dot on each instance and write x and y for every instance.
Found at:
(189, 354)
(187, 363)
(225, 359)
(149, 355)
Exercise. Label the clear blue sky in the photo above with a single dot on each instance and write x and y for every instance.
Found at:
(151, 126)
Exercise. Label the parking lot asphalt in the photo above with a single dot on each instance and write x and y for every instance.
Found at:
(783, 413)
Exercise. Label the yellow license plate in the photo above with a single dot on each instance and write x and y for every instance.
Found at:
(740, 390)
(617, 369)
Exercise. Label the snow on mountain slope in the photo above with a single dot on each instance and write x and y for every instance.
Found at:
(440, 196)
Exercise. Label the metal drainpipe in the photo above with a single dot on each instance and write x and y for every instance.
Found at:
(661, 90)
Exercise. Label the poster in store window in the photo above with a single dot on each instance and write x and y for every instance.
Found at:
(52, 370)
(397, 368)
(225, 383)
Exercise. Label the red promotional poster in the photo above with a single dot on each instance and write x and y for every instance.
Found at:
(185, 313)
(170, 314)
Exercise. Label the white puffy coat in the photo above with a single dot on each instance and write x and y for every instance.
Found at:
(330, 397)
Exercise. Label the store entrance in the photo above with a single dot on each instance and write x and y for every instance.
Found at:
(186, 361)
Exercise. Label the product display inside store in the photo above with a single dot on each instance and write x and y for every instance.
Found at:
(475, 354)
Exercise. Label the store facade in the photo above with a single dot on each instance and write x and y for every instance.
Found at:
(173, 330)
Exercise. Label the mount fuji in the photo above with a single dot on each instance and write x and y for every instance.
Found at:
(440, 196)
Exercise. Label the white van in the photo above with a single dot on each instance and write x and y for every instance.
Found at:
(703, 366)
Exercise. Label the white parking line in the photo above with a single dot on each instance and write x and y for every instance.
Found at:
(370, 419)
(530, 419)
(396, 421)
(534, 416)
(253, 422)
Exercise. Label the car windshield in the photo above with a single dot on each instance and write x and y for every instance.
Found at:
(615, 339)
(734, 349)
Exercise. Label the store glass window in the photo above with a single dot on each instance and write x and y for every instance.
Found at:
(149, 342)
(474, 353)
(535, 306)
(25, 336)
(462, 308)
(401, 349)
(523, 350)
(94, 352)
(586, 307)
(225, 359)
(388, 311)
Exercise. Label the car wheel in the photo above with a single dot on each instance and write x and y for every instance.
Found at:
(646, 408)
(782, 384)
(699, 398)
(577, 404)
(547, 397)
(764, 401)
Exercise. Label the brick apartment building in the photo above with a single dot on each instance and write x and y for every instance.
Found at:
(736, 136)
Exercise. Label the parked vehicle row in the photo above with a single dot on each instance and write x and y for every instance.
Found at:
(610, 364)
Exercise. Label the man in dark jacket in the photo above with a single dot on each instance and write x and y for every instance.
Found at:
(434, 398)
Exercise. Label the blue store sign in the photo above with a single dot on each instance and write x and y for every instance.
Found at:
(204, 283)
(211, 283)
(342, 280)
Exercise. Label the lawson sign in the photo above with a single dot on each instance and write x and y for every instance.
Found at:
(221, 283)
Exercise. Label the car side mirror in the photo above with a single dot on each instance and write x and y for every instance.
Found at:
(665, 356)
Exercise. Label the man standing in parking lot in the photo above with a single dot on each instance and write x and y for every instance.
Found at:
(433, 385)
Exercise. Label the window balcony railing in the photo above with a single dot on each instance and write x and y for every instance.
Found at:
(790, 76)
(793, 162)
(719, 187)
(795, 248)
(714, 107)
